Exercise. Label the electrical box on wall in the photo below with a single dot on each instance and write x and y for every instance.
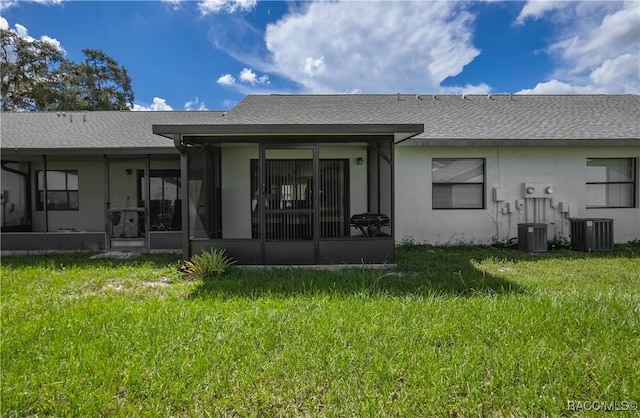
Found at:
(519, 204)
(563, 207)
(498, 194)
(506, 209)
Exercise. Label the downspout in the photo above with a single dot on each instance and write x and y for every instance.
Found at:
(184, 194)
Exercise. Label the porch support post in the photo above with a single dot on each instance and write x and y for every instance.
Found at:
(147, 200)
(316, 201)
(378, 180)
(107, 203)
(184, 195)
(45, 202)
(392, 170)
(261, 203)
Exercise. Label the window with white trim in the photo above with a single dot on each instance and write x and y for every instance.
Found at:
(457, 183)
(611, 182)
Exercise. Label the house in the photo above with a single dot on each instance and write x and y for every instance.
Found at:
(321, 179)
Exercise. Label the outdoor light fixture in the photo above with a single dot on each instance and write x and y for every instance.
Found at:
(360, 160)
(128, 171)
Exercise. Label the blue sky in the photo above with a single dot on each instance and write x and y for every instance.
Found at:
(209, 54)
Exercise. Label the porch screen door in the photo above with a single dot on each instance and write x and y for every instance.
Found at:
(126, 220)
(287, 210)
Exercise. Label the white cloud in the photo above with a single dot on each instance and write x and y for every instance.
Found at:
(177, 4)
(623, 70)
(226, 80)
(6, 4)
(314, 66)
(371, 46)
(248, 76)
(599, 52)
(536, 9)
(468, 89)
(558, 87)
(23, 33)
(195, 104)
(47, 2)
(230, 6)
(158, 104)
(56, 43)
(617, 32)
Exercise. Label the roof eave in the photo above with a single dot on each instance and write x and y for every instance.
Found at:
(522, 142)
(260, 130)
(88, 151)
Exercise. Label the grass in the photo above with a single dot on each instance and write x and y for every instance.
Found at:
(456, 331)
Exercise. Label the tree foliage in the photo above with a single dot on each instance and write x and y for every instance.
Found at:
(35, 75)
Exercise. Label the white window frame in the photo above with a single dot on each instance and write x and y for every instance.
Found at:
(607, 183)
(453, 185)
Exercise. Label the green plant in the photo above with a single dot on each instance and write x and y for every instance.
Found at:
(211, 263)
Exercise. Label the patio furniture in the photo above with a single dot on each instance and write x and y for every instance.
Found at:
(369, 224)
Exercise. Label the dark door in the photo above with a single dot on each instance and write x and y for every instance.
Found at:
(287, 207)
(15, 201)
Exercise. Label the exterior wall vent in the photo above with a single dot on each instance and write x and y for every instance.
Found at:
(532, 237)
(591, 234)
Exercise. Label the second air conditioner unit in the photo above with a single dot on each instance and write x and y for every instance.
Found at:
(532, 237)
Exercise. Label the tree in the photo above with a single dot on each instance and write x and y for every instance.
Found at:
(26, 78)
(35, 76)
(98, 83)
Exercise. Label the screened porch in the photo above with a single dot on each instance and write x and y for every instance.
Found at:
(288, 199)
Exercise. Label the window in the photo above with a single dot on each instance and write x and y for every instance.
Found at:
(458, 183)
(62, 190)
(164, 204)
(611, 182)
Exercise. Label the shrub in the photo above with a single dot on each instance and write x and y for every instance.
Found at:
(212, 263)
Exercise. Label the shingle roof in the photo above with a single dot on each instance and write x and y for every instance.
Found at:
(103, 130)
(474, 117)
(455, 117)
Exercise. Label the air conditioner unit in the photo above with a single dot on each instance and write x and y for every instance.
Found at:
(591, 234)
(532, 237)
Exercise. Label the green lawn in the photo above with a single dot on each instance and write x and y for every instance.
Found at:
(456, 331)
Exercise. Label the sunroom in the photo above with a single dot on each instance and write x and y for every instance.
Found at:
(286, 194)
